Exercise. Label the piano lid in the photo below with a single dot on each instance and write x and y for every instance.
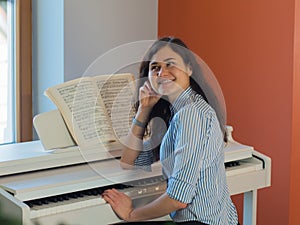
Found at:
(38, 155)
(74, 178)
(31, 156)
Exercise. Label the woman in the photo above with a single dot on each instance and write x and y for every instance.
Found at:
(191, 150)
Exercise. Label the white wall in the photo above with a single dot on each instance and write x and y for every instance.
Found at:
(94, 27)
(69, 35)
(47, 50)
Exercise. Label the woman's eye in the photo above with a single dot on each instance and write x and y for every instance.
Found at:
(155, 68)
(170, 64)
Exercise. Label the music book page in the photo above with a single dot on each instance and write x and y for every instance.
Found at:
(96, 110)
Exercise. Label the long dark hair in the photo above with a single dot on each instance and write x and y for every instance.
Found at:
(162, 107)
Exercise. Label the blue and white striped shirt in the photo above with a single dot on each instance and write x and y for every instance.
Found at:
(192, 157)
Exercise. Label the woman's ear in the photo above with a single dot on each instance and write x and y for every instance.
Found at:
(189, 70)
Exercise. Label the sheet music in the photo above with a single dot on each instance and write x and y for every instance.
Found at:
(88, 114)
(118, 103)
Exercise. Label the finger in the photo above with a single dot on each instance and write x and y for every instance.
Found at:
(150, 89)
(109, 200)
(144, 89)
(115, 192)
(148, 86)
(112, 193)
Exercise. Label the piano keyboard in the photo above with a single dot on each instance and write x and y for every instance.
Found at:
(92, 197)
(135, 189)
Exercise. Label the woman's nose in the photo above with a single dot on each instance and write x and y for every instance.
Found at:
(163, 71)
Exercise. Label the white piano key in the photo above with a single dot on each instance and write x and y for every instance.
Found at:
(64, 206)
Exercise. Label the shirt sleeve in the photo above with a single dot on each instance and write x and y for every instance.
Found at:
(145, 158)
(195, 148)
(151, 145)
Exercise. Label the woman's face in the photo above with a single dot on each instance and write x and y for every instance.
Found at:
(168, 74)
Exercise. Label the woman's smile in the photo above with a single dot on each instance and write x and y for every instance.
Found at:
(168, 74)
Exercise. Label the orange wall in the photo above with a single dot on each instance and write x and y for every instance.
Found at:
(250, 47)
(295, 158)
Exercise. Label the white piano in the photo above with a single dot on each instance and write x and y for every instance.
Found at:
(51, 182)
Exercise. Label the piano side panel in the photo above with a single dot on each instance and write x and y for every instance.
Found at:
(242, 181)
(12, 208)
(246, 182)
(267, 164)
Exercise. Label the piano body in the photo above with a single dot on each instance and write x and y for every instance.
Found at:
(51, 182)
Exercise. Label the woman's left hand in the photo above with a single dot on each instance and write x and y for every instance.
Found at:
(120, 203)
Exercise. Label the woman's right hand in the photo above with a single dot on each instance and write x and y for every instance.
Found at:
(147, 96)
(134, 142)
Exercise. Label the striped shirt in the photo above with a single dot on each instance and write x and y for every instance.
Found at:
(192, 158)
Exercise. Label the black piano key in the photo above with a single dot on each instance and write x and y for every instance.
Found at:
(30, 204)
(65, 197)
(60, 198)
(232, 164)
(44, 201)
(53, 199)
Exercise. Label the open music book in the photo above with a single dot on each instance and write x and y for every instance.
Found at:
(96, 110)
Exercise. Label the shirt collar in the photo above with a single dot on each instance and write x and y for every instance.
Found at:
(186, 97)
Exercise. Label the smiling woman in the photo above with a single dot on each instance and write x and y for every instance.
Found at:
(174, 91)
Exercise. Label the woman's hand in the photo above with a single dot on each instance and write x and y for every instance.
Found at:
(133, 144)
(120, 203)
(147, 96)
